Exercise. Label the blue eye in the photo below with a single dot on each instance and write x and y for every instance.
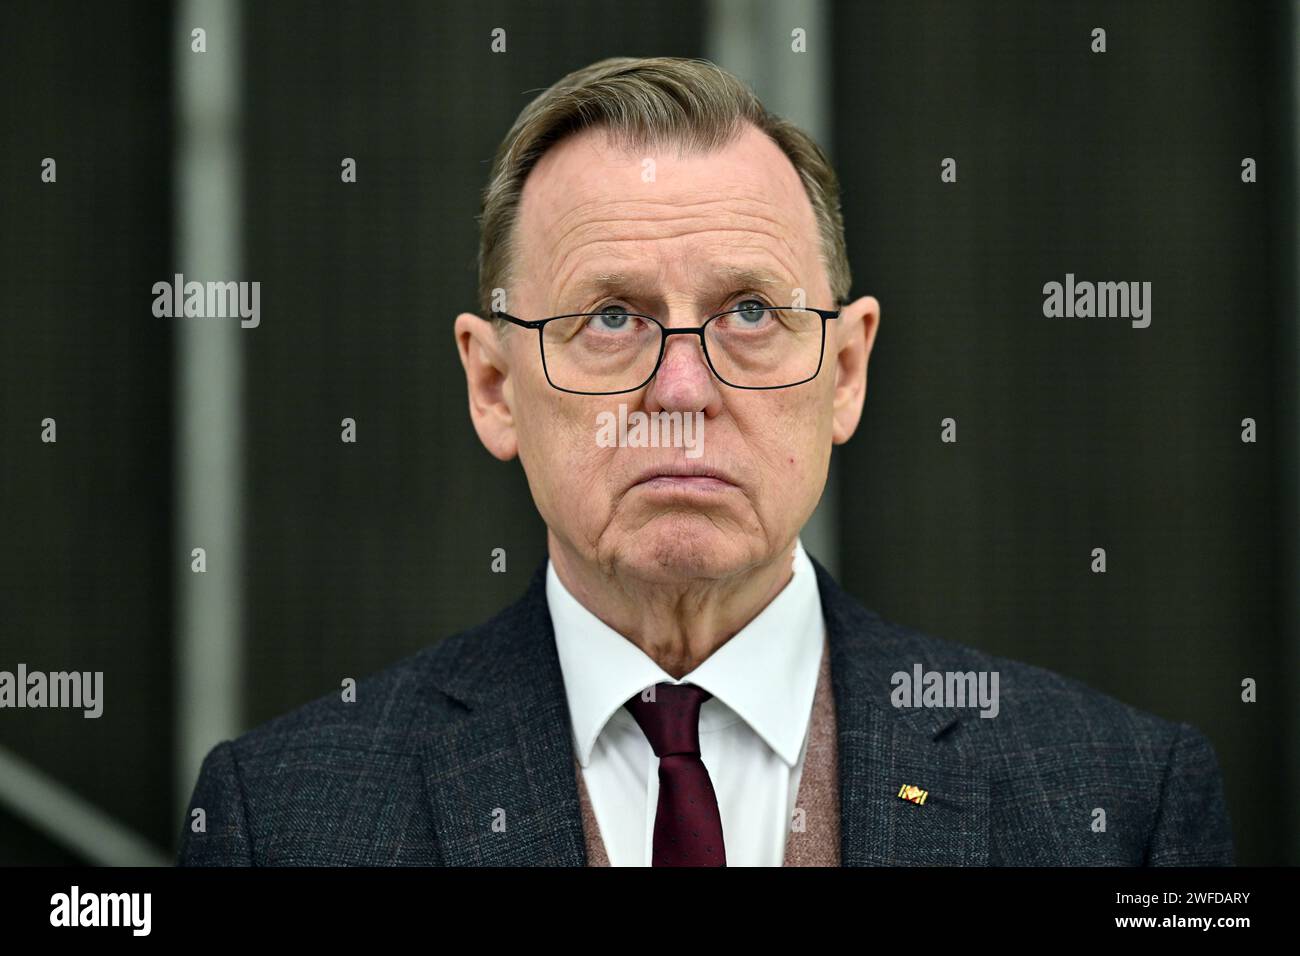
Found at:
(609, 320)
(752, 310)
(620, 317)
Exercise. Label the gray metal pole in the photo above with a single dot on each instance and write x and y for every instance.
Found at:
(208, 390)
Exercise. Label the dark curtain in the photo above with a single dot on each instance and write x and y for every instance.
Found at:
(86, 558)
(1083, 433)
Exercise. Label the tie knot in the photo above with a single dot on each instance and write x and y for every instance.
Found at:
(671, 720)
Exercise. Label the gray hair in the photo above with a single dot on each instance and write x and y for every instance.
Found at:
(643, 101)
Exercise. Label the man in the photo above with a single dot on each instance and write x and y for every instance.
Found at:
(681, 683)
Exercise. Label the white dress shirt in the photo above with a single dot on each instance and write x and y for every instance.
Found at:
(753, 730)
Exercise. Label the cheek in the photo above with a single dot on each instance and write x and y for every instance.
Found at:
(804, 415)
(559, 447)
(797, 451)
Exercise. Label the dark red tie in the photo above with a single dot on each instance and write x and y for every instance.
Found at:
(688, 827)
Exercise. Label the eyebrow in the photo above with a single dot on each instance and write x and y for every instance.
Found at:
(602, 282)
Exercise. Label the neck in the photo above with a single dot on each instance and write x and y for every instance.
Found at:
(678, 625)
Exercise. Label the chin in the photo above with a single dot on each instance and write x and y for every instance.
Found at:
(678, 548)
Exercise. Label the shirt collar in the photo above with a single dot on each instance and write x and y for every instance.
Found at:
(766, 674)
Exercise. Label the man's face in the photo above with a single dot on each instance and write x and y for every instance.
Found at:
(679, 238)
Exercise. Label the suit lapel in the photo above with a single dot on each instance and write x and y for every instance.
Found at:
(500, 780)
(883, 748)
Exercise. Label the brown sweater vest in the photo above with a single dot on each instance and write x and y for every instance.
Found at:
(814, 835)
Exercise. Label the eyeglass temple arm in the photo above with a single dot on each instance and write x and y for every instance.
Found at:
(511, 318)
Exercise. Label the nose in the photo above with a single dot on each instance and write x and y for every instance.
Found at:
(684, 381)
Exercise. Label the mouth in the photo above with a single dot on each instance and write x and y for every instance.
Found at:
(685, 478)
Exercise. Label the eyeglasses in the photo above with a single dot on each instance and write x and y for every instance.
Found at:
(609, 353)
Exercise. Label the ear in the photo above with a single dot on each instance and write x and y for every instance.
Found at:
(487, 376)
(855, 335)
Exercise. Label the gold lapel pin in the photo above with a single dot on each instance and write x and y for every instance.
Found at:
(913, 794)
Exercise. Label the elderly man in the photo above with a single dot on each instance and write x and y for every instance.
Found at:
(681, 684)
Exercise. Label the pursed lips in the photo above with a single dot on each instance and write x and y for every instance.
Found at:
(685, 476)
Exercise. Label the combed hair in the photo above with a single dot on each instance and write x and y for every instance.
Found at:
(644, 102)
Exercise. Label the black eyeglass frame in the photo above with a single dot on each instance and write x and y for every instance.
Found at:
(663, 344)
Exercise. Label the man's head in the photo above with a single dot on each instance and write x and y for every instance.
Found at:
(649, 186)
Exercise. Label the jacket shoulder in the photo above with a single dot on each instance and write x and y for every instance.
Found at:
(337, 780)
(1035, 703)
(1076, 774)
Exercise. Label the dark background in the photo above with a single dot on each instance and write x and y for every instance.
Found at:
(1073, 433)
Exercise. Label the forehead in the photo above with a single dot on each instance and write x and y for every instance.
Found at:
(591, 205)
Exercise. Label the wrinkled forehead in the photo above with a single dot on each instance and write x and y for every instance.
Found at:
(590, 200)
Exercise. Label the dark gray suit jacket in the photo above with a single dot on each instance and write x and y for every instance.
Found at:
(476, 728)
